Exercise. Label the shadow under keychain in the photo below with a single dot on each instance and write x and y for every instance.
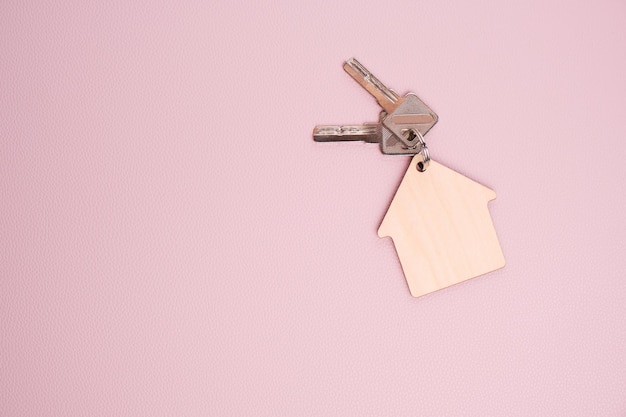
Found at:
(438, 219)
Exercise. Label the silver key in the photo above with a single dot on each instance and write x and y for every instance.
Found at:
(408, 112)
(371, 133)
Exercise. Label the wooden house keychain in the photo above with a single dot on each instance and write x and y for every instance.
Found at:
(438, 219)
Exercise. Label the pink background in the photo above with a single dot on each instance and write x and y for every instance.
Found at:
(172, 241)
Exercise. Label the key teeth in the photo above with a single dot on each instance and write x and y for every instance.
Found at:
(333, 133)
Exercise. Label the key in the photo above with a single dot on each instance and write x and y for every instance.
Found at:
(371, 133)
(406, 113)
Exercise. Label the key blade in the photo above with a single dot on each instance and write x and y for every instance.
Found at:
(331, 133)
(386, 98)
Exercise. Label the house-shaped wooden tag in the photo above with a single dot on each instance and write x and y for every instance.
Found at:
(441, 228)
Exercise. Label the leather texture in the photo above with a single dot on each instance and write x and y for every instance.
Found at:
(173, 242)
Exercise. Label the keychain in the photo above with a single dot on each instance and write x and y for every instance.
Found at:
(438, 219)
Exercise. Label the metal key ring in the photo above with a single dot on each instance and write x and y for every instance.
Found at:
(423, 151)
(423, 164)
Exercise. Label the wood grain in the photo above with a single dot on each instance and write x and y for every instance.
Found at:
(441, 228)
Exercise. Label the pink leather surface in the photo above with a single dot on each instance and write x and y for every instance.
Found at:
(172, 241)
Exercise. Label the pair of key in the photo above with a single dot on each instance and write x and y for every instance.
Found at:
(403, 121)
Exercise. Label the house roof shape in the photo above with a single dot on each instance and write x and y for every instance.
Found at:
(441, 228)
